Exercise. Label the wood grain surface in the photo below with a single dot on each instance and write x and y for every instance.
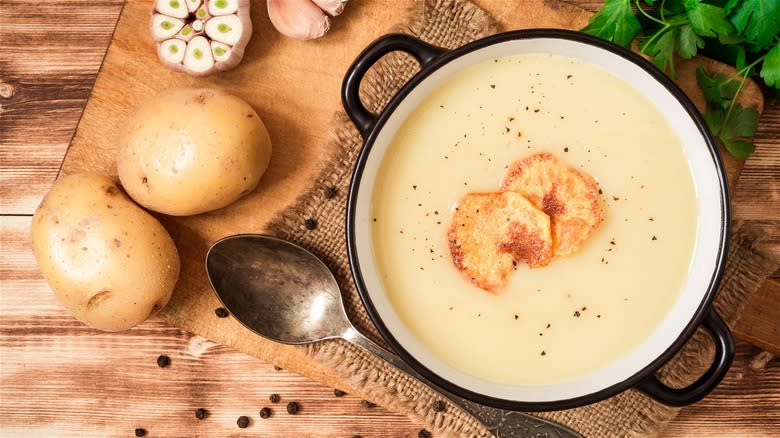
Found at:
(60, 378)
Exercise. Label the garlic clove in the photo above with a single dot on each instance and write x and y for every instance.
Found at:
(220, 51)
(164, 27)
(192, 5)
(225, 29)
(202, 13)
(172, 8)
(222, 7)
(300, 19)
(198, 58)
(186, 33)
(331, 7)
(172, 51)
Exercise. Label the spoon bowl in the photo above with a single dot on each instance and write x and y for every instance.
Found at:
(277, 289)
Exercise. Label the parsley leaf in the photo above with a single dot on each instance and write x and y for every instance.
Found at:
(741, 122)
(707, 20)
(615, 22)
(757, 20)
(661, 49)
(739, 149)
(729, 121)
(718, 90)
(770, 69)
(688, 43)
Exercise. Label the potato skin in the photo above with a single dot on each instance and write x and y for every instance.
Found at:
(108, 261)
(190, 151)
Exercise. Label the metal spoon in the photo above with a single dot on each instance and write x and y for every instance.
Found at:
(286, 294)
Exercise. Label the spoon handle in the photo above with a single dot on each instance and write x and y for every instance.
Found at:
(502, 423)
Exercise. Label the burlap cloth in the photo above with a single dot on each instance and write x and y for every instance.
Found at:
(452, 23)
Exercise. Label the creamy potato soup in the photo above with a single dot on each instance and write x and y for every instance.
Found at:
(580, 312)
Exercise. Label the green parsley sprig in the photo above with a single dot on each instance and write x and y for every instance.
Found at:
(743, 33)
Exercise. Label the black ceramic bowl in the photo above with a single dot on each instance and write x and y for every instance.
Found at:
(691, 310)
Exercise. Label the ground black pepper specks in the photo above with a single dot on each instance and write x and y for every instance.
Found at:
(439, 406)
(265, 413)
(242, 422)
(310, 224)
(274, 398)
(163, 361)
(423, 433)
(293, 408)
(339, 393)
(277, 368)
(221, 312)
(140, 432)
(330, 193)
(201, 413)
(367, 404)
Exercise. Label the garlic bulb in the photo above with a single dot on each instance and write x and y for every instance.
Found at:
(201, 37)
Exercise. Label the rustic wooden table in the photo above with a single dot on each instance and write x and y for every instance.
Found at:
(60, 378)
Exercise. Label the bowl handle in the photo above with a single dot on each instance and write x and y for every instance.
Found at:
(350, 88)
(724, 355)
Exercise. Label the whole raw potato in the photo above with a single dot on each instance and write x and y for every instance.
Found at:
(189, 151)
(108, 261)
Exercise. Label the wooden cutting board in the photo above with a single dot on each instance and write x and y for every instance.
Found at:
(294, 86)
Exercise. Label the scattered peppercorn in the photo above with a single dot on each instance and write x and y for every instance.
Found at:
(655, 238)
(163, 361)
(330, 193)
(201, 413)
(544, 353)
(367, 404)
(577, 313)
(277, 368)
(310, 224)
(242, 422)
(566, 149)
(274, 398)
(140, 432)
(221, 312)
(293, 408)
(439, 406)
(339, 393)
(423, 433)
(265, 413)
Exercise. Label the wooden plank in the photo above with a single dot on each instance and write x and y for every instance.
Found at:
(755, 326)
(50, 53)
(101, 384)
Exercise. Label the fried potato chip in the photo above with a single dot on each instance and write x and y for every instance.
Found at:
(491, 232)
(568, 196)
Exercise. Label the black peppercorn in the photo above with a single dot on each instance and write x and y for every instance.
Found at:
(140, 432)
(339, 393)
(439, 406)
(274, 398)
(221, 312)
(423, 433)
(277, 368)
(265, 413)
(330, 193)
(310, 224)
(201, 413)
(293, 408)
(163, 361)
(243, 421)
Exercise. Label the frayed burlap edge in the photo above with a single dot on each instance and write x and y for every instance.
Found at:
(452, 23)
